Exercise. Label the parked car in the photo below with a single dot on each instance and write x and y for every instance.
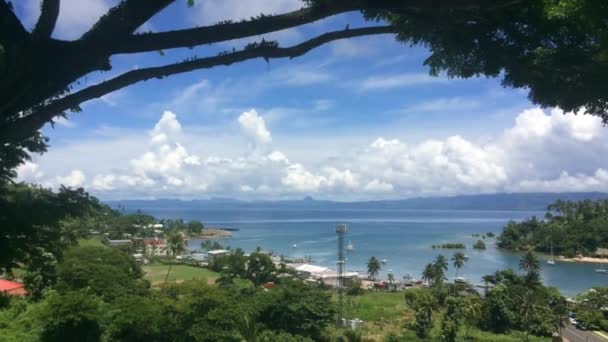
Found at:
(573, 321)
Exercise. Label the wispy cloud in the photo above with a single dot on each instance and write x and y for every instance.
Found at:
(384, 82)
(452, 104)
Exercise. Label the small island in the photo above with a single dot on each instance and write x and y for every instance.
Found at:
(452, 245)
(479, 245)
(571, 231)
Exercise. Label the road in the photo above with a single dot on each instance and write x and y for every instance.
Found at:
(575, 335)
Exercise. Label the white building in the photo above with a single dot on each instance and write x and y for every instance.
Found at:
(156, 247)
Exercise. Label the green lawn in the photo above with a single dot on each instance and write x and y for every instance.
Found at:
(90, 242)
(156, 273)
(376, 306)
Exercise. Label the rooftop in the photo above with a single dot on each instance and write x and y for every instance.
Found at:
(311, 268)
(218, 252)
(12, 287)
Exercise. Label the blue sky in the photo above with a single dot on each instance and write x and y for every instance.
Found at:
(354, 119)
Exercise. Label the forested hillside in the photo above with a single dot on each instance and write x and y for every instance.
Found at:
(572, 227)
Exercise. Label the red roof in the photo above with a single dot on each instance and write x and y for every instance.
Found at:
(12, 287)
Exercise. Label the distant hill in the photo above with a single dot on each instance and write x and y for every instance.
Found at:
(503, 201)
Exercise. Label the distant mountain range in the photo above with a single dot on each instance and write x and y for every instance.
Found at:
(502, 201)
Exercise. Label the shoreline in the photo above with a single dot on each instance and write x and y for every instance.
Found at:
(582, 259)
(210, 233)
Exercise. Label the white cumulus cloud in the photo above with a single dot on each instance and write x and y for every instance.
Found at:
(254, 126)
(76, 178)
(542, 151)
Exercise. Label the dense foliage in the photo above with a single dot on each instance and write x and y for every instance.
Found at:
(591, 308)
(512, 303)
(571, 228)
(31, 218)
(100, 296)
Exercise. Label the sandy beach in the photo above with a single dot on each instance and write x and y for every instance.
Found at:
(584, 259)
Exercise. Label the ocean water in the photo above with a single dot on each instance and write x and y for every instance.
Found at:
(402, 237)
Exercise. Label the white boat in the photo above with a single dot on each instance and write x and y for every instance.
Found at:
(295, 246)
(600, 270)
(350, 247)
(383, 261)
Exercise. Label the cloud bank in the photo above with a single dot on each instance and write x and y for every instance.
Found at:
(542, 151)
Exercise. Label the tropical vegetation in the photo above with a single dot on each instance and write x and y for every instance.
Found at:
(569, 228)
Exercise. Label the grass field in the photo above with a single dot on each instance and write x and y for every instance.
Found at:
(376, 306)
(90, 242)
(386, 312)
(156, 273)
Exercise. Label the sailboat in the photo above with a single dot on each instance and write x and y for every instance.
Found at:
(350, 247)
(551, 261)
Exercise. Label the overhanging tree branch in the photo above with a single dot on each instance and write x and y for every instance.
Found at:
(123, 19)
(25, 127)
(10, 27)
(271, 23)
(227, 31)
(48, 18)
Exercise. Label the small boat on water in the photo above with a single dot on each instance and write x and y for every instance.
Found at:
(600, 270)
(383, 261)
(350, 247)
(295, 246)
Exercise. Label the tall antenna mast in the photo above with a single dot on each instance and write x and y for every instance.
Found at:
(340, 231)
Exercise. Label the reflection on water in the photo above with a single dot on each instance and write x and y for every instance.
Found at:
(403, 237)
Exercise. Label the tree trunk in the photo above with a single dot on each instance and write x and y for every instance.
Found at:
(167, 276)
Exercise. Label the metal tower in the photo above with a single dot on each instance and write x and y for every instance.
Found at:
(340, 232)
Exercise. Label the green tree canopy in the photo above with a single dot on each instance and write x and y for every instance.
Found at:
(31, 219)
(106, 272)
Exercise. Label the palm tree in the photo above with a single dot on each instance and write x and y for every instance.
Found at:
(471, 310)
(529, 263)
(429, 273)
(175, 245)
(424, 314)
(489, 278)
(373, 267)
(441, 262)
(441, 266)
(458, 261)
(391, 279)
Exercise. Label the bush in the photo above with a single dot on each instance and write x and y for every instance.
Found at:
(74, 316)
(353, 287)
